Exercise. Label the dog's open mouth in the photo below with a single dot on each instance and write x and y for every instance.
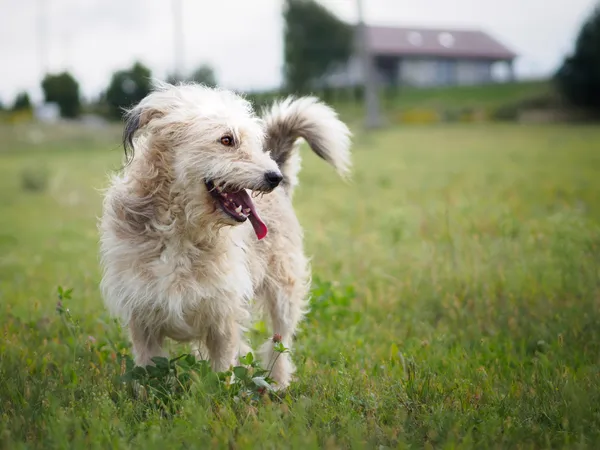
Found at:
(239, 206)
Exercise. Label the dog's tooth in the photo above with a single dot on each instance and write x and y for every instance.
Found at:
(246, 210)
(238, 209)
(225, 194)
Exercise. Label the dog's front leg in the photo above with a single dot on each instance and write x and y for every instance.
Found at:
(222, 342)
(286, 307)
(146, 344)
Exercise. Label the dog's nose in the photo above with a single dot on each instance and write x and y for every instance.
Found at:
(273, 179)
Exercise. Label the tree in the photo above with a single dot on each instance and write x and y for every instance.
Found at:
(315, 40)
(22, 102)
(174, 79)
(579, 76)
(63, 90)
(204, 75)
(127, 88)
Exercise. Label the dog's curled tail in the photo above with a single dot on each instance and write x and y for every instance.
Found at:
(306, 117)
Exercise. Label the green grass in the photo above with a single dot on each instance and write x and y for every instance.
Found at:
(455, 305)
(490, 98)
(492, 95)
(449, 99)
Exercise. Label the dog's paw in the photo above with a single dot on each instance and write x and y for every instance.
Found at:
(280, 387)
(283, 373)
(138, 391)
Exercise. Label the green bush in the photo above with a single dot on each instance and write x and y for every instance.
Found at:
(34, 178)
(509, 112)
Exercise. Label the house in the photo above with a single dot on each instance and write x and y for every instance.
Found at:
(47, 112)
(427, 57)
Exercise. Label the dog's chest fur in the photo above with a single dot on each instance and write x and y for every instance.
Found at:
(210, 284)
(184, 286)
(185, 266)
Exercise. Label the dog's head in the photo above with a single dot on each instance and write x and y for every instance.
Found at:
(215, 144)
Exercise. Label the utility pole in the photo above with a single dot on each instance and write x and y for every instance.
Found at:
(372, 119)
(42, 37)
(178, 40)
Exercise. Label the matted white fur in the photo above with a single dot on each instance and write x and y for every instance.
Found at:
(175, 265)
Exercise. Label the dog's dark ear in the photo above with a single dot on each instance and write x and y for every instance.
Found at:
(132, 123)
(135, 119)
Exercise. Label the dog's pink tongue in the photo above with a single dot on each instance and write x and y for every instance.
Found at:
(259, 226)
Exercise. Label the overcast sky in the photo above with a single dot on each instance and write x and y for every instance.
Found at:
(242, 38)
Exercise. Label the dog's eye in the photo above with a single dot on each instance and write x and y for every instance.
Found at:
(227, 141)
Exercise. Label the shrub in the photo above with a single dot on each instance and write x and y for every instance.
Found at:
(509, 112)
(34, 178)
(420, 116)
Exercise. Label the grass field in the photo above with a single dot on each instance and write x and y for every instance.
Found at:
(444, 99)
(491, 95)
(456, 301)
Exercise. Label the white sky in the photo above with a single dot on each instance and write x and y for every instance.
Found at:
(241, 39)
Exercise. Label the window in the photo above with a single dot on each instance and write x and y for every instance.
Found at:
(446, 40)
(415, 38)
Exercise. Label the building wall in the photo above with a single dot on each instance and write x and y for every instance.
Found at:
(443, 72)
(473, 72)
(415, 71)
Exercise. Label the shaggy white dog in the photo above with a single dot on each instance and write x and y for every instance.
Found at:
(186, 242)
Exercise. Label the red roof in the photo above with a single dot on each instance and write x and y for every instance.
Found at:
(436, 42)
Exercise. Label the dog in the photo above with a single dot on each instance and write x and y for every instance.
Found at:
(198, 234)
